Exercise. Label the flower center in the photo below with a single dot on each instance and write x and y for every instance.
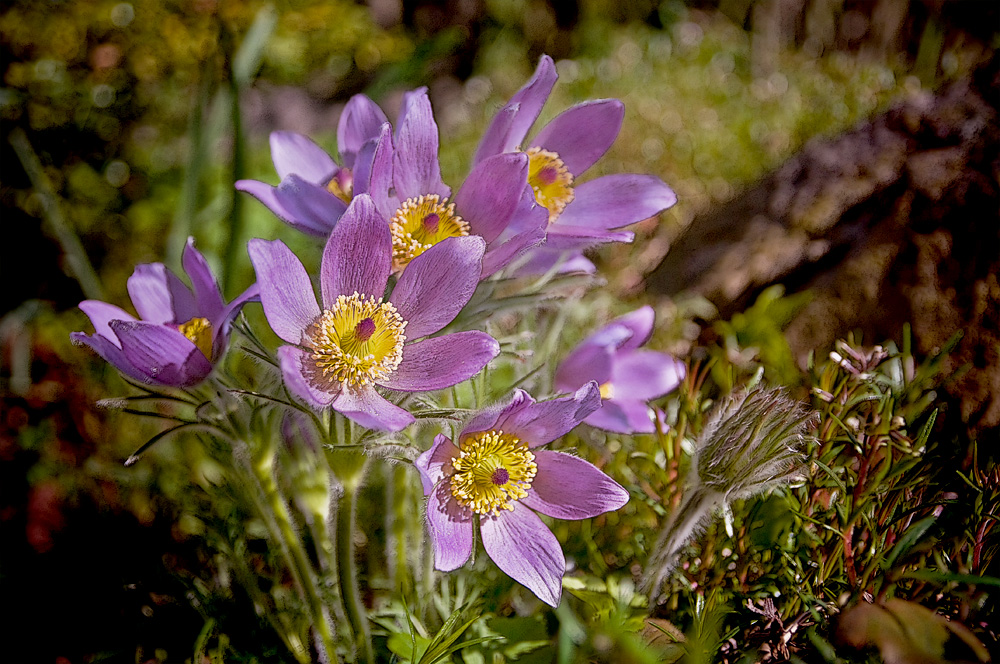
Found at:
(551, 181)
(199, 331)
(419, 224)
(607, 390)
(492, 470)
(342, 185)
(357, 342)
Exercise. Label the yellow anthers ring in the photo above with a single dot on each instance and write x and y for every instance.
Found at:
(199, 331)
(342, 188)
(356, 342)
(607, 390)
(492, 470)
(550, 180)
(419, 224)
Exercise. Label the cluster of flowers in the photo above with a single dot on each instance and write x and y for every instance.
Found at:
(402, 258)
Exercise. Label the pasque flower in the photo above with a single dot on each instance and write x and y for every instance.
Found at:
(628, 376)
(579, 214)
(494, 202)
(182, 332)
(497, 474)
(353, 340)
(314, 191)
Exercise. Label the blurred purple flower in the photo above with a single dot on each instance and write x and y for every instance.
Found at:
(494, 202)
(314, 191)
(341, 350)
(629, 377)
(497, 474)
(580, 215)
(182, 332)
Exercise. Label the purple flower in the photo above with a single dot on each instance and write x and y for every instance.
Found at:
(314, 191)
(493, 202)
(497, 474)
(628, 377)
(579, 214)
(182, 332)
(354, 340)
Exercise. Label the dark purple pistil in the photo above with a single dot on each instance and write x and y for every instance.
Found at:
(547, 175)
(500, 476)
(364, 329)
(431, 222)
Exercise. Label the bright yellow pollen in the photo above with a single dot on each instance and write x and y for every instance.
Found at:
(492, 470)
(551, 181)
(357, 342)
(607, 390)
(199, 331)
(342, 190)
(419, 224)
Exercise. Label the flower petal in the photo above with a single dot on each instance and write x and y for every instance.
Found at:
(582, 134)
(208, 297)
(110, 351)
(360, 121)
(285, 290)
(159, 296)
(542, 260)
(440, 362)
(373, 171)
(369, 409)
(502, 254)
(645, 374)
(296, 154)
(526, 550)
(309, 205)
(100, 314)
(295, 369)
(567, 487)
(431, 464)
(450, 526)
(622, 416)
(492, 192)
(358, 255)
(614, 201)
(544, 421)
(566, 237)
(268, 195)
(487, 418)
(161, 353)
(416, 170)
(585, 363)
(222, 325)
(437, 284)
(507, 133)
(640, 323)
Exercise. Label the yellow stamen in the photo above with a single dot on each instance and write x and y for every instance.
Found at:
(419, 224)
(493, 469)
(357, 342)
(199, 331)
(607, 390)
(342, 186)
(551, 181)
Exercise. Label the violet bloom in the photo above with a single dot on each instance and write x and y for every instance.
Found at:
(497, 474)
(628, 377)
(182, 332)
(579, 214)
(314, 191)
(492, 203)
(354, 340)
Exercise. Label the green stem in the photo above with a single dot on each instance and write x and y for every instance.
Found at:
(349, 588)
(300, 564)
